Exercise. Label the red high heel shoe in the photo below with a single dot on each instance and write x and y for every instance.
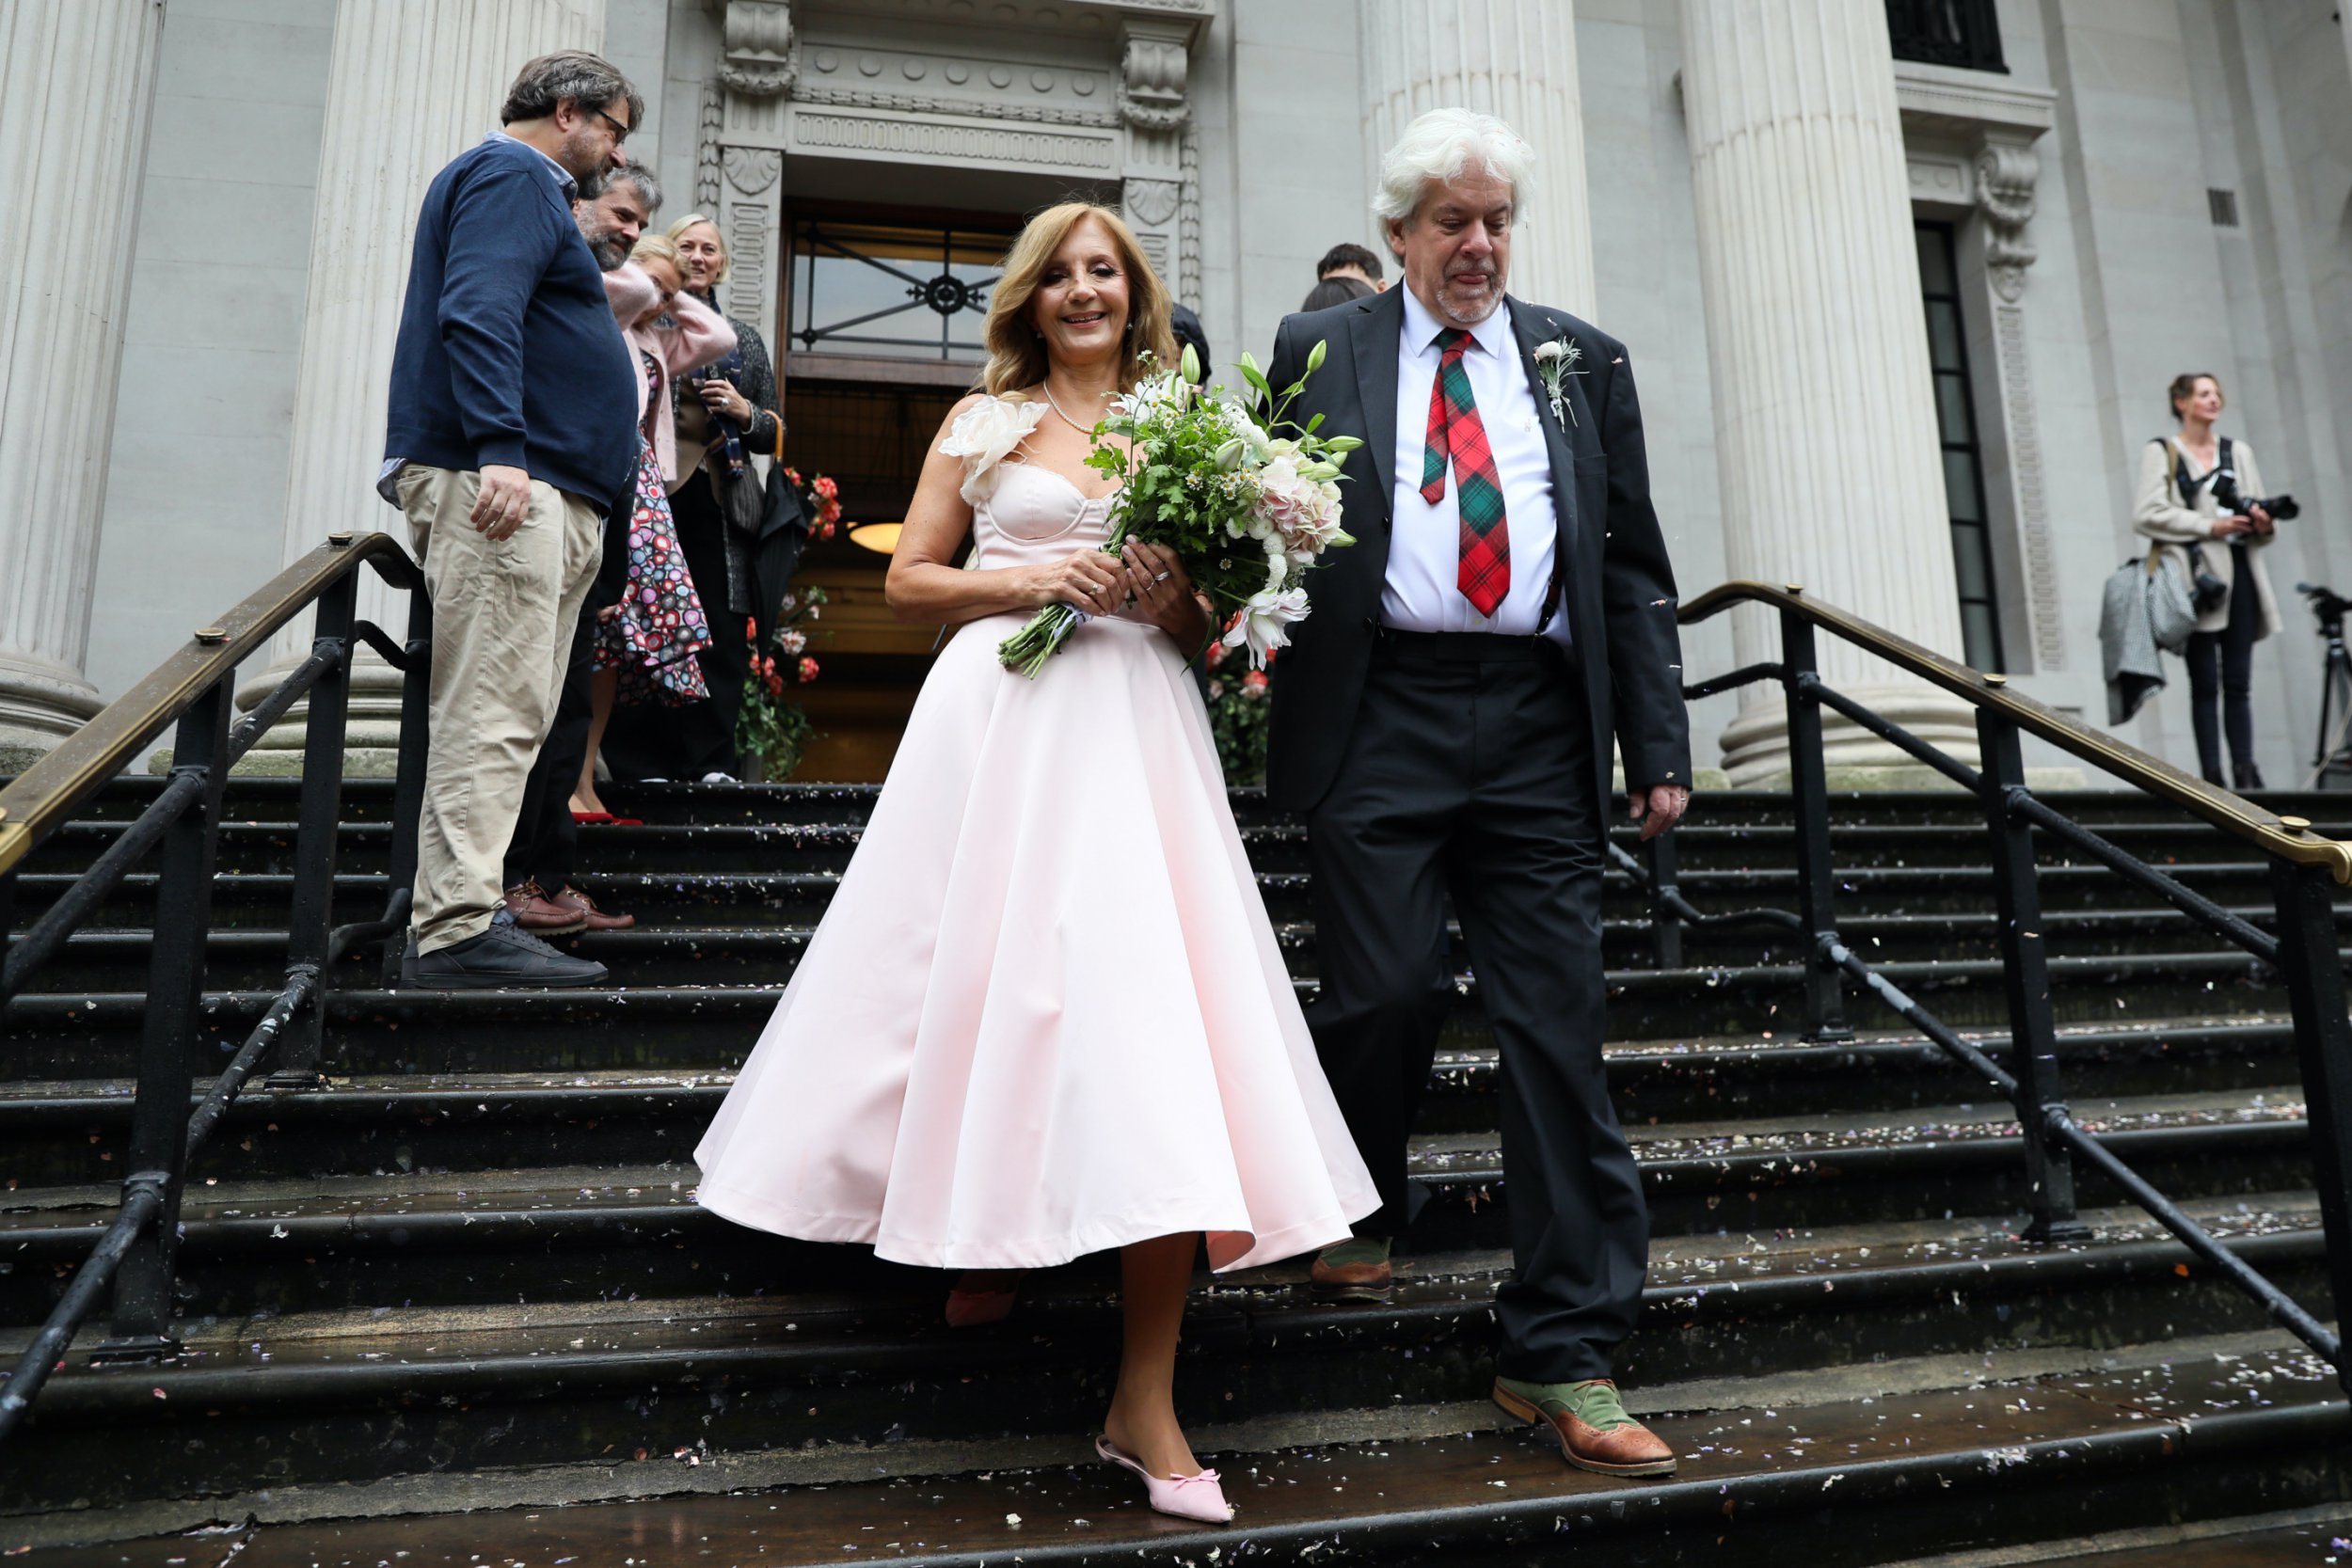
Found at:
(972, 1307)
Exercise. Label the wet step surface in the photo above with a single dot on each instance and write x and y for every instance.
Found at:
(2316, 1545)
(601, 1231)
(247, 847)
(1862, 1480)
(475, 1254)
(59, 1132)
(761, 952)
(1778, 1151)
(728, 895)
(86, 1032)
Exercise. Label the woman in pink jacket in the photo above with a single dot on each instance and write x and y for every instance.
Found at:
(646, 643)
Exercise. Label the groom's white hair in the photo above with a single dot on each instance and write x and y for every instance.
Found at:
(1442, 145)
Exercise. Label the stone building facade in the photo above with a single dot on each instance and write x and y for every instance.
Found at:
(1903, 281)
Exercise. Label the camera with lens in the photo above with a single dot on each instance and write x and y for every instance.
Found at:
(2226, 495)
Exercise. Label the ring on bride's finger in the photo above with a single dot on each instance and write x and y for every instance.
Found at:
(1160, 577)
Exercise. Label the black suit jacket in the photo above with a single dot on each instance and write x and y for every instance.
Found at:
(1617, 587)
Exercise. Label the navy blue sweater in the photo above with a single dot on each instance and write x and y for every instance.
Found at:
(508, 353)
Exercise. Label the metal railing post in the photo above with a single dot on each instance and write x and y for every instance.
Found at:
(416, 725)
(1808, 783)
(1666, 927)
(2026, 978)
(142, 1321)
(312, 916)
(2313, 972)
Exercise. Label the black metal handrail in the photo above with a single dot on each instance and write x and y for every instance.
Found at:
(2304, 951)
(136, 1255)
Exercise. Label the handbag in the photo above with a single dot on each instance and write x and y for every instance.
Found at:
(2171, 610)
(2210, 591)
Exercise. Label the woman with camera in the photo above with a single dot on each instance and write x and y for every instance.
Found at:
(2200, 499)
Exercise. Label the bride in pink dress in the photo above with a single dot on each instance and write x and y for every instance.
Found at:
(1045, 1014)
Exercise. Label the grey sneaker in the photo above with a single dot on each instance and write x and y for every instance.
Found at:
(506, 955)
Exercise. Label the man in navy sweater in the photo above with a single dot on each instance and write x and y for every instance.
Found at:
(512, 432)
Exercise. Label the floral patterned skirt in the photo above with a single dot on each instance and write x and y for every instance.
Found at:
(659, 626)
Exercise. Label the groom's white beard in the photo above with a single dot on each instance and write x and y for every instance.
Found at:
(1470, 308)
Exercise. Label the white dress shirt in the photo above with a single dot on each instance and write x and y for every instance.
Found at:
(1422, 591)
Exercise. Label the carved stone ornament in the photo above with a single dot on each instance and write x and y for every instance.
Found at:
(1151, 84)
(939, 103)
(707, 150)
(761, 57)
(752, 169)
(2005, 193)
(1152, 201)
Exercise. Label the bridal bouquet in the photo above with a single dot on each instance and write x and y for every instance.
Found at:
(1246, 512)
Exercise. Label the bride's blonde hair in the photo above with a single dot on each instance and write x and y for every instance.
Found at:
(1016, 350)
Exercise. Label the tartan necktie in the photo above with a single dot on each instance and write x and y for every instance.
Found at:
(1484, 575)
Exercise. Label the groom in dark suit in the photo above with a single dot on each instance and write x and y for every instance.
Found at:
(1443, 721)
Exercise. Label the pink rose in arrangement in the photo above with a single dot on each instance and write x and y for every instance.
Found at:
(808, 670)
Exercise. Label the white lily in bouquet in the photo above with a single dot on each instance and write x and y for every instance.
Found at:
(1247, 511)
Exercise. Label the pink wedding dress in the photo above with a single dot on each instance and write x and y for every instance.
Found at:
(1045, 1014)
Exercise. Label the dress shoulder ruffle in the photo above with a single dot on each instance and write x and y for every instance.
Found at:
(983, 435)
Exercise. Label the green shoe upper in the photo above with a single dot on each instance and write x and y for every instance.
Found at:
(1355, 1249)
(1595, 1404)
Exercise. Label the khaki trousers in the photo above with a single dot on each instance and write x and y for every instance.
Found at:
(503, 613)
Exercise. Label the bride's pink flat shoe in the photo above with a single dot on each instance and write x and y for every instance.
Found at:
(1184, 1496)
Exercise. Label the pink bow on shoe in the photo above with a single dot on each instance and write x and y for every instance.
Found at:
(1206, 1503)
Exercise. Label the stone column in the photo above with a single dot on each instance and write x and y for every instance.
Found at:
(77, 83)
(411, 84)
(757, 68)
(1817, 341)
(1515, 59)
(1154, 72)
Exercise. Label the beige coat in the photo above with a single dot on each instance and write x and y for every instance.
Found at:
(2158, 514)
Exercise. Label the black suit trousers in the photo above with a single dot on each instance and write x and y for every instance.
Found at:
(1469, 773)
(547, 840)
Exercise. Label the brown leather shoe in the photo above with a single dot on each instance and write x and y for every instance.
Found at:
(542, 916)
(1617, 1446)
(592, 918)
(1354, 1270)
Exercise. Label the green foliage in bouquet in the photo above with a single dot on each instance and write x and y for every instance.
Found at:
(1238, 710)
(772, 732)
(1246, 510)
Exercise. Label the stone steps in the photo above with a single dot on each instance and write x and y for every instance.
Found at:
(604, 1229)
(858, 1358)
(258, 900)
(669, 953)
(787, 846)
(1864, 1470)
(469, 1270)
(65, 1132)
(91, 1033)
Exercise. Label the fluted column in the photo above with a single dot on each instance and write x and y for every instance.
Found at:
(1817, 341)
(1515, 59)
(77, 83)
(411, 84)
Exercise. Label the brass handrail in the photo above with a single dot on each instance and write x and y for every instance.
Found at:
(45, 794)
(2265, 830)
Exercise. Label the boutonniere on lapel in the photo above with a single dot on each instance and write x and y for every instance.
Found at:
(1555, 361)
